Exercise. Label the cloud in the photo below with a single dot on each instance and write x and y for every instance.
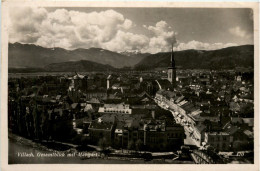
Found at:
(25, 23)
(127, 24)
(237, 31)
(64, 28)
(163, 37)
(127, 41)
(107, 29)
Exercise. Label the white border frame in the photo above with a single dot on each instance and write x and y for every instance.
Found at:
(151, 167)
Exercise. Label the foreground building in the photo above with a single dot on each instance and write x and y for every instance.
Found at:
(136, 132)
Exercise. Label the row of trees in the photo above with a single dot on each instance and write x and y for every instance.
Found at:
(137, 145)
(34, 121)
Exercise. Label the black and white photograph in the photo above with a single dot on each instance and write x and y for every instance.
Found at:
(131, 85)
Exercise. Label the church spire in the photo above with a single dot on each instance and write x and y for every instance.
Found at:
(172, 57)
(172, 68)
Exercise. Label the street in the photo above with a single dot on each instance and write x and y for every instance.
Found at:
(188, 140)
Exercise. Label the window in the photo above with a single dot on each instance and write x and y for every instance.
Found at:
(224, 138)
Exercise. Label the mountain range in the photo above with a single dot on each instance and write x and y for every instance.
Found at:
(30, 55)
(226, 58)
(97, 59)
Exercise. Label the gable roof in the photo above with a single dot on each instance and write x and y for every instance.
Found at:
(100, 125)
(230, 129)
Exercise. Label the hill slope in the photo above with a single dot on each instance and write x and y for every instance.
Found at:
(79, 66)
(227, 58)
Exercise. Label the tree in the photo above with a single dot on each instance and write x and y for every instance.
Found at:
(131, 145)
(44, 124)
(28, 122)
(102, 143)
(138, 145)
(36, 119)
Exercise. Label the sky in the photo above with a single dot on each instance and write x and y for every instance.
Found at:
(149, 30)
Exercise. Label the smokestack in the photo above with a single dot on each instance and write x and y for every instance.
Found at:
(153, 114)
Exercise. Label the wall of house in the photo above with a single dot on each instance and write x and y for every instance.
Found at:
(218, 141)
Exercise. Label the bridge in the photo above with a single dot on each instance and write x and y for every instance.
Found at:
(200, 157)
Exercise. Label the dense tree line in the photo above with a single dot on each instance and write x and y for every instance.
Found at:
(33, 121)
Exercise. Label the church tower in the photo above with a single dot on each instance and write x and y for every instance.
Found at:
(172, 70)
